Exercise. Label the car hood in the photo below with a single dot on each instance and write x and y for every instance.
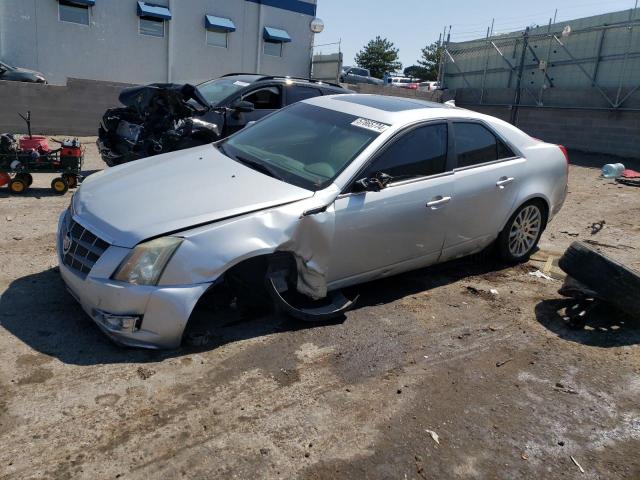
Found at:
(175, 191)
(22, 73)
(26, 70)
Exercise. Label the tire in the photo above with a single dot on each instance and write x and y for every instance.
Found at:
(614, 282)
(515, 245)
(59, 185)
(18, 186)
(26, 178)
(72, 180)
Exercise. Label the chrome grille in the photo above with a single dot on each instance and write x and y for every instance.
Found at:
(80, 249)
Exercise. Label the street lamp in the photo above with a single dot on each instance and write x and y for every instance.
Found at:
(317, 25)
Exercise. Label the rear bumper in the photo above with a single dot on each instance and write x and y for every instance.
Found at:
(557, 206)
(161, 312)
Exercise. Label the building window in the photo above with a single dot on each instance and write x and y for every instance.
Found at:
(217, 39)
(273, 49)
(73, 13)
(151, 26)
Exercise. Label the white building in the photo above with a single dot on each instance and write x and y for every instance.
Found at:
(133, 41)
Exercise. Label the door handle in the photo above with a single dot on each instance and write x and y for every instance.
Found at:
(437, 201)
(504, 181)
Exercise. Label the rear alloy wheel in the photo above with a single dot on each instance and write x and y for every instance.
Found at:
(522, 232)
(59, 185)
(17, 186)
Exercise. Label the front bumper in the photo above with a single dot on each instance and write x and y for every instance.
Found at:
(159, 314)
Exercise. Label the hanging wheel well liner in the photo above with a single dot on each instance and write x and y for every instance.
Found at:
(270, 280)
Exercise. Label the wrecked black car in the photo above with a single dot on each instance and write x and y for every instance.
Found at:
(157, 118)
(161, 118)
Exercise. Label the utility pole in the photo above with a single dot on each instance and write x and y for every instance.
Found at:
(518, 95)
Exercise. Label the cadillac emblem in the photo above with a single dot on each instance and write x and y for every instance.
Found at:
(66, 243)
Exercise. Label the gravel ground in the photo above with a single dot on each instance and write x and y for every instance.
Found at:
(431, 376)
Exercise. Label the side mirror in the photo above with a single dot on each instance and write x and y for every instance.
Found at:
(243, 106)
(373, 184)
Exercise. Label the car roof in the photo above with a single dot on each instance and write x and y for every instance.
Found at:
(373, 107)
(244, 77)
(388, 103)
(389, 109)
(253, 77)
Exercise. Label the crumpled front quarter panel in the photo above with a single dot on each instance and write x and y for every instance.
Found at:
(209, 251)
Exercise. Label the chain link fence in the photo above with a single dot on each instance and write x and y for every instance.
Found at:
(585, 63)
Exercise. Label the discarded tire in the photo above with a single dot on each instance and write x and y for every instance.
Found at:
(615, 283)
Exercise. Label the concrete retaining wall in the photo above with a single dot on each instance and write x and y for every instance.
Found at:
(600, 131)
(76, 109)
(73, 109)
(437, 96)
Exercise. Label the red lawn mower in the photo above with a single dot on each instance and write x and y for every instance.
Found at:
(20, 157)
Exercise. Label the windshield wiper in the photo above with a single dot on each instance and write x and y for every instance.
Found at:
(222, 150)
(259, 167)
(251, 164)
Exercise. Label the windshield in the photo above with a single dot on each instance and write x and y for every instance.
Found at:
(305, 145)
(5, 66)
(217, 90)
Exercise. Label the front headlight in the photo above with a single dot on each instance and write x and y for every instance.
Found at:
(145, 264)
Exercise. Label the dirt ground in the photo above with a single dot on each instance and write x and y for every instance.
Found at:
(431, 376)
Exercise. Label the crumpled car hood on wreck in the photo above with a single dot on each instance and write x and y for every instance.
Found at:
(173, 192)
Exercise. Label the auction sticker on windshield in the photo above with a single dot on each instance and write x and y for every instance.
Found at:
(241, 84)
(370, 125)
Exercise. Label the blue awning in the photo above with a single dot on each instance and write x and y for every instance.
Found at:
(153, 11)
(82, 3)
(276, 35)
(219, 23)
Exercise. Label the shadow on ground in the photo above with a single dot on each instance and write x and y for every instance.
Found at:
(605, 326)
(42, 192)
(39, 311)
(31, 192)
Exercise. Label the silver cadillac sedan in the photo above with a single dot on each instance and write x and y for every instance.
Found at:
(327, 193)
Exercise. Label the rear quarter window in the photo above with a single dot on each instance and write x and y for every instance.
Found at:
(476, 144)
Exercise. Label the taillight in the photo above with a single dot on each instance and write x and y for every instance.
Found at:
(413, 86)
(563, 149)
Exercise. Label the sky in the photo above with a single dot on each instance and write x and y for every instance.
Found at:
(412, 24)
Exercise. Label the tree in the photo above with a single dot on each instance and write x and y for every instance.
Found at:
(416, 71)
(429, 62)
(379, 56)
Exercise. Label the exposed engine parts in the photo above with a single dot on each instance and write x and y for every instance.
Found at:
(157, 118)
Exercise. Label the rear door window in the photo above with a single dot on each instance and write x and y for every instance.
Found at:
(418, 153)
(476, 144)
(296, 93)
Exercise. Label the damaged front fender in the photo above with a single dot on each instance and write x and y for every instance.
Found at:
(305, 229)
